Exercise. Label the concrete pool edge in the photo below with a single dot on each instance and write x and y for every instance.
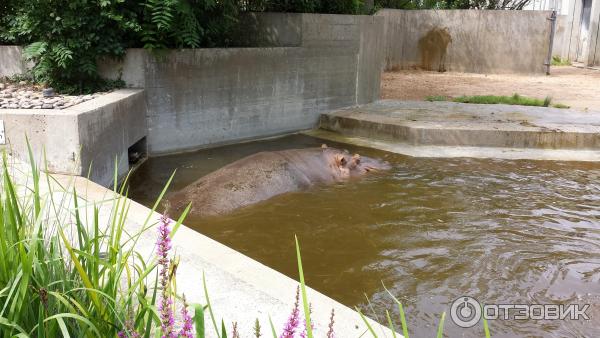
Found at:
(451, 129)
(459, 151)
(241, 289)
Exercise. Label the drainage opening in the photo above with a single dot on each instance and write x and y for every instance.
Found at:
(137, 153)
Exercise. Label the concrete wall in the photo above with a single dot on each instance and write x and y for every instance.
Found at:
(308, 64)
(481, 41)
(560, 46)
(92, 134)
(11, 61)
(206, 97)
(572, 35)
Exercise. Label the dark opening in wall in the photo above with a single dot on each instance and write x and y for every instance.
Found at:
(137, 153)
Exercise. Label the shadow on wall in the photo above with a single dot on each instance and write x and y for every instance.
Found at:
(433, 48)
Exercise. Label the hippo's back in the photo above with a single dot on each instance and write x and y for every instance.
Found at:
(250, 180)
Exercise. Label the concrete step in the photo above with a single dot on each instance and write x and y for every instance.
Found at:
(450, 124)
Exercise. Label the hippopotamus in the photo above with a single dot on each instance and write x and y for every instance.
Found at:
(263, 175)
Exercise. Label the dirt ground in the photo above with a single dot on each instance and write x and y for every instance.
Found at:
(575, 87)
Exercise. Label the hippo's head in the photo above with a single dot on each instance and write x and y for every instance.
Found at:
(354, 165)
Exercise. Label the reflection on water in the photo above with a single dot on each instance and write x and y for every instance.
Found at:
(430, 229)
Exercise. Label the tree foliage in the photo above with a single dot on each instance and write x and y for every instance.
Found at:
(66, 38)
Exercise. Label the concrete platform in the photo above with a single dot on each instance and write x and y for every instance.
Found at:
(448, 129)
(91, 135)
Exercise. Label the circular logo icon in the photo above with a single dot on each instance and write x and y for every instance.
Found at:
(465, 311)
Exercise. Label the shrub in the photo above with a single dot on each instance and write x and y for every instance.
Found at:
(65, 38)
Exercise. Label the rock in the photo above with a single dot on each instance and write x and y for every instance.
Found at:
(22, 83)
(48, 92)
(13, 106)
(47, 106)
(2, 86)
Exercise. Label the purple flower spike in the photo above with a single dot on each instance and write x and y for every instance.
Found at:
(186, 330)
(294, 320)
(165, 305)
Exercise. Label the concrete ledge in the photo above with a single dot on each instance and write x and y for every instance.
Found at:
(241, 289)
(458, 151)
(87, 136)
(448, 124)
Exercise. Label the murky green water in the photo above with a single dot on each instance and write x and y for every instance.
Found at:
(431, 229)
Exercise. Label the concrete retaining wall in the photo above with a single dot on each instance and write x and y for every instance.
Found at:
(574, 47)
(92, 134)
(11, 61)
(478, 41)
(206, 97)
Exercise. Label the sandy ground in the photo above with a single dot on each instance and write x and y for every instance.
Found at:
(575, 87)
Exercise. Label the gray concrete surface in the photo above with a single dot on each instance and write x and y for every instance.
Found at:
(482, 41)
(84, 137)
(11, 61)
(508, 130)
(241, 289)
(207, 97)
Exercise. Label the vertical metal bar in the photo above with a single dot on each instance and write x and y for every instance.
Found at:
(552, 19)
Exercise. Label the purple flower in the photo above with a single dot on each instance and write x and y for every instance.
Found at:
(330, 333)
(294, 320)
(165, 305)
(186, 330)
(303, 334)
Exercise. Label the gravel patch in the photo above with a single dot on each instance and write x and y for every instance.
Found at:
(23, 96)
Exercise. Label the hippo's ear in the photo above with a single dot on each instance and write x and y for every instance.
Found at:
(355, 160)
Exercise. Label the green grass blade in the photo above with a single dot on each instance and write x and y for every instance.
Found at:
(180, 220)
(160, 197)
(6, 323)
(223, 329)
(84, 277)
(440, 331)
(272, 328)
(199, 320)
(369, 327)
(391, 325)
(309, 332)
(486, 328)
(63, 328)
(210, 311)
(400, 310)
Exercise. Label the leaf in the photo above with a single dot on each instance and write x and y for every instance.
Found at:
(440, 331)
(303, 288)
(212, 315)
(369, 327)
(272, 328)
(199, 320)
